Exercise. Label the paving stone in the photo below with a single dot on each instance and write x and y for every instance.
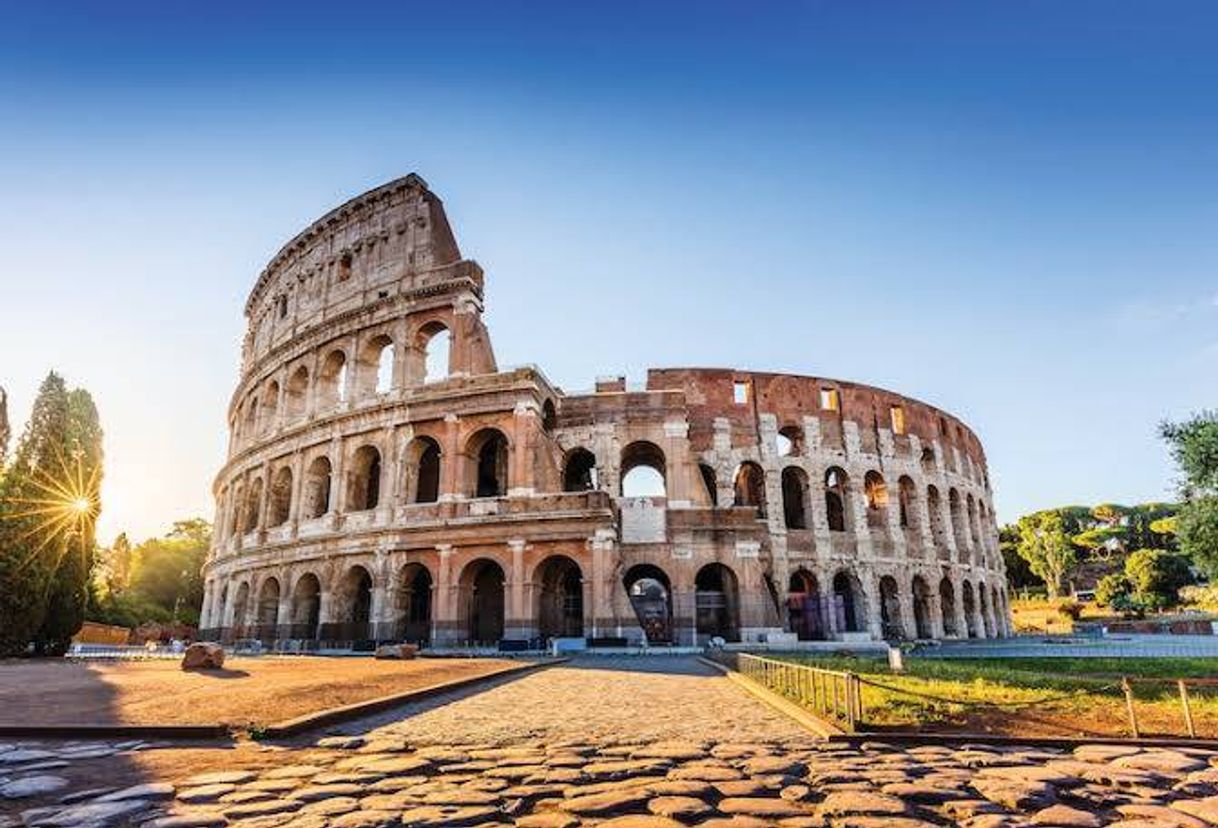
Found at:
(682, 808)
(1161, 761)
(639, 821)
(779, 765)
(273, 786)
(705, 774)
(677, 751)
(220, 778)
(434, 816)
(921, 793)
(149, 791)
(1067, 817)
(1162, 814)
(1206, 809)
(205, 793)
(548, 819)
(762, 807)
(331, 806)
(262, 808)
(606, 803)
(201, 820)
(842, 803)
(342, 742)
(366, 819)
(87, 793)
(293, 772)
(1018, 796)
(741, 787)
(94, 814)
(19, 755)
(32, 786)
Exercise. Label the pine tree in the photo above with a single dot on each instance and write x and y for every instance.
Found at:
(68, 592)
(29, 552)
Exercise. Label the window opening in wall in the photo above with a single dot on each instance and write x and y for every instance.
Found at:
(942, 427)
(740, 393)
(281, 305)
(384, 370)
(436, 359)
(829, 400)
(344, 267)
(897, 414)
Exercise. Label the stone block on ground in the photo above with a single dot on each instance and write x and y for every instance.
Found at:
(397, 651)
(203, 655)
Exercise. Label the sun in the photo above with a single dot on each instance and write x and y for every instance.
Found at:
(64, 504)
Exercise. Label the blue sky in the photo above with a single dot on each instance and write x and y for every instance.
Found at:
(1006, 209)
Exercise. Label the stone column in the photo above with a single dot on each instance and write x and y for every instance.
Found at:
(518, 622)
(520, 462)
(337, 466)
(444, 611)
(452, 466)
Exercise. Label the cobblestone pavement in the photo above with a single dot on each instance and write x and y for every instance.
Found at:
(623, 744)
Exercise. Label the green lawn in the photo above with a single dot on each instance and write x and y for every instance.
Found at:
(999, 693)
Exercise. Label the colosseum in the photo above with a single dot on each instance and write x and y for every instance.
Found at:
(387, 481)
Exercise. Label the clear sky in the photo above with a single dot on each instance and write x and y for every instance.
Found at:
(1006, 209)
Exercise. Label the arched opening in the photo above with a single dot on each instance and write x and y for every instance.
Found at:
(423, 482)
(970, 609)
(297, 396)
(306, 607)
(999, 612)
(907, 497)
(890, 609)
(355, 606)
(876, 491)
(928, 462)
(749, 487)
(710, 482)
(804, 613)
(270, 406)
(717, 602)
(251, 419)
(560, 598)
(934, 509)
(488, 452)
(268, 610)
(253, 506)
(280, 506)
(947, 606)
(236, 512)
(317, 488)
(650, 595)
(794, 497)
(241, 607)
(848, 603)
(958, 530)
(414, 604)
(643, 470)
(790, 441)
(384, 369)
(579, 471)
(973, 527)
(987, 620)
(364, 483)
(921, 608)
(482, 604)
(375, 371)
(333, 386)
(549, 416)
(836, 499)
(436, 350)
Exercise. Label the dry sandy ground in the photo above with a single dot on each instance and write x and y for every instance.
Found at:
(247, 691)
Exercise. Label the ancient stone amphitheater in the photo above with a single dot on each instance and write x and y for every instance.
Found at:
(387, 481)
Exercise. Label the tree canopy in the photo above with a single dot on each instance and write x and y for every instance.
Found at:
(1194, 447)
(1044, 544)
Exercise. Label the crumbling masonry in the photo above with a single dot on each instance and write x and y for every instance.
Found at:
(386, 481)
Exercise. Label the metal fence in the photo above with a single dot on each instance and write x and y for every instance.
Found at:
(834, 694)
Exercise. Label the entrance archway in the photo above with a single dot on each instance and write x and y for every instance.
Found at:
(890, 609)
(970, 609)
(560, 598)
(306, 607)
(414, 604)
(947, 605)
(268, 610)
(848, 603)
(921, 607)
(803, 606)
(650, 595)
(716, 602)
(482, 601)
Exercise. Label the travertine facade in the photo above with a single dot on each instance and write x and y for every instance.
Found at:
(379, 486)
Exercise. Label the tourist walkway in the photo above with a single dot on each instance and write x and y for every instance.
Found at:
(628, 743)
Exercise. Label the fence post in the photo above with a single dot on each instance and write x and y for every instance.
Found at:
(858, 696)
(1188, 711)
(1133, 719)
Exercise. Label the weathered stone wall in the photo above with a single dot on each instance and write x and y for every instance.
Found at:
(364, 499)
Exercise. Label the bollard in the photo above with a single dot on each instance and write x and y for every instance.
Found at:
(1133, 719)
(1188, 711)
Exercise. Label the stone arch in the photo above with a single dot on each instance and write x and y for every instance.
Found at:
(297, 395)
(929, 467)
(279, 507)
(579, 471)
(805, 615)
(241, 608)
(907, 503)
(332, 379)
(253, 505)
(790, 441)
(970, 609)
(353, 606)
(650, 593)
(549, 416)
(891, 626)
(947, 606)
(374, 373)
(306, 607)
(486, 454)
(558, 586)
(710, 482)
(270, 406)
(920, 591)
(749, 487)
(999, 611)
(481, 601)
(268, 609)
(876, 491)
(414, 603)
(837, 499)
(717, 602)
(317, 487)
(236, 511)
(849, 602)
(435, 344)
(971, 514)
(934, 509)
(364, 479)
(956, 509)
(983, 601)
(795, 497)
(643, 470)
(424, 462)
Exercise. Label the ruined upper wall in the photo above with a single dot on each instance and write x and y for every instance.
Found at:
(710, 393)
(391, 238)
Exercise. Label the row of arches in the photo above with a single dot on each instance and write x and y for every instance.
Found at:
(368, 369)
